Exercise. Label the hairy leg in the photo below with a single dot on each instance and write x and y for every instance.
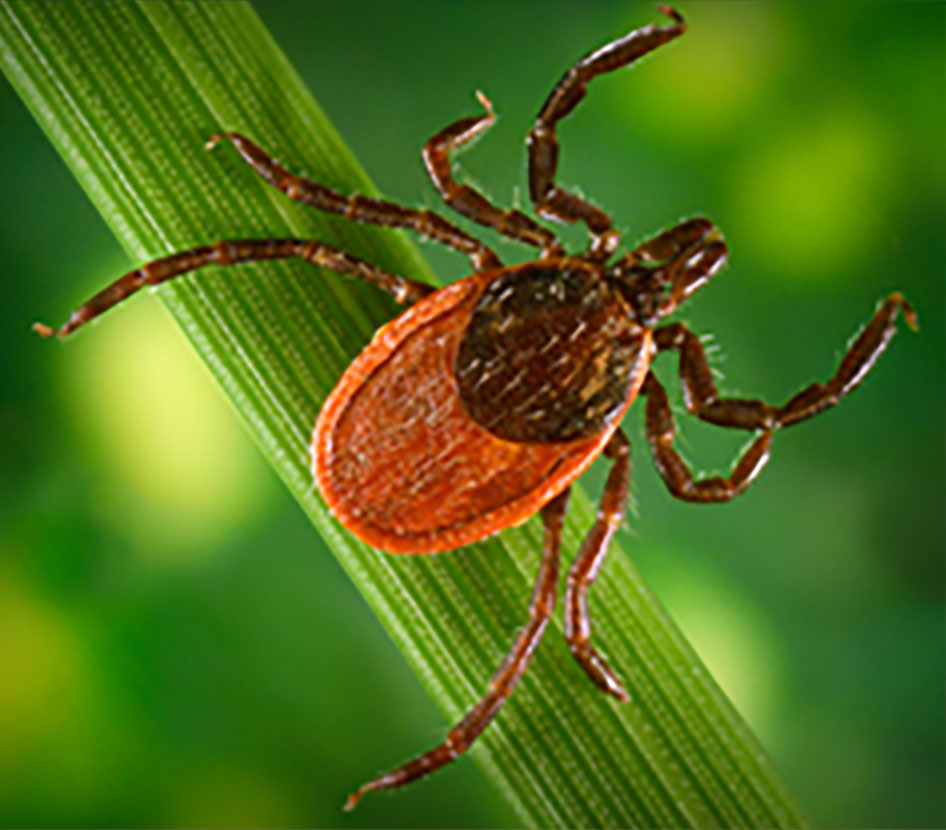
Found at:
(588, 563)
(502, 683)
(472, 204)
(232, 252)
(359, 208)
(551, 201)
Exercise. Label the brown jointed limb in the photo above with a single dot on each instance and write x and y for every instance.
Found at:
(469, 202)
(585, 569)
(693, 270)
(550, 200)
(359, 208)
(230, 253)
(673, 469)
(702, 399)
(507, 675)
(668, 245)
(663, 271)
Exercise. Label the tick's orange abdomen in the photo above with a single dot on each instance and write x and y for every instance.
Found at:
(401, 463)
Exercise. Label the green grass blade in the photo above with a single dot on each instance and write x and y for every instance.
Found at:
(128, 94)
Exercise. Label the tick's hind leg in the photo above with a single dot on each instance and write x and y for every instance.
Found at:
(507, 675)
(550, 200)
(585, 569)
(661, 430)
(472, 204)
(702, 399)
(359, 208)
(230, 253)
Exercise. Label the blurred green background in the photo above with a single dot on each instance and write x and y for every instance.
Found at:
(178, 647)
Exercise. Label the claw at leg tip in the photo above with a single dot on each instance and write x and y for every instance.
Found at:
(43, 330)
(213, 141)
(487, 104)
(670, 11)
(353, 800)
(910, 316)
(908, 312)
(617, 690)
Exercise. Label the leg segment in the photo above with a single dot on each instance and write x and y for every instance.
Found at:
(550, 200)
(231, 253)
(585, 569)
(683, 257)
(702, 399)
(507, 675)
(670, 245)
(359, 208)
(661, 429)
(468, 201)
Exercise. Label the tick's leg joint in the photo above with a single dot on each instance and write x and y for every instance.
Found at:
(504, 680)
(469, 202)
(702, 399)
(661, 430)
(587, 565)
(551, 201)
(359, 208)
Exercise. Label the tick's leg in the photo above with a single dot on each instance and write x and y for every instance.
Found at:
(673, 469)
(702, 399)
(670, 244)
(359, 208)
(550, 200)
(682, 258)
(507, 675)
(230, 253)
(469, 202)
(585, 569)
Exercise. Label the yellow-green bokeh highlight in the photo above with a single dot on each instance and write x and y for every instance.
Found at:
(703, 88)
(44, 668)
(811, 195)
(728, 631)
(181, 475)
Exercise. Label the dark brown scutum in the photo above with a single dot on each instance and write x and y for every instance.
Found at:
(400, 461)
(549, 353)
(487, 399)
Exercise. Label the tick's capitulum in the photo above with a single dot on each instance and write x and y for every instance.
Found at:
(483, 402)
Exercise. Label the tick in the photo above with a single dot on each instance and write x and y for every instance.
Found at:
(482, 403)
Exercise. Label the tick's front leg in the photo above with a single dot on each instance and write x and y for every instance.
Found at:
(359, 208)
(552, 201)
(234, 252)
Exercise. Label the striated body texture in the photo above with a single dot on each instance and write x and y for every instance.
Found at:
(398, 456)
